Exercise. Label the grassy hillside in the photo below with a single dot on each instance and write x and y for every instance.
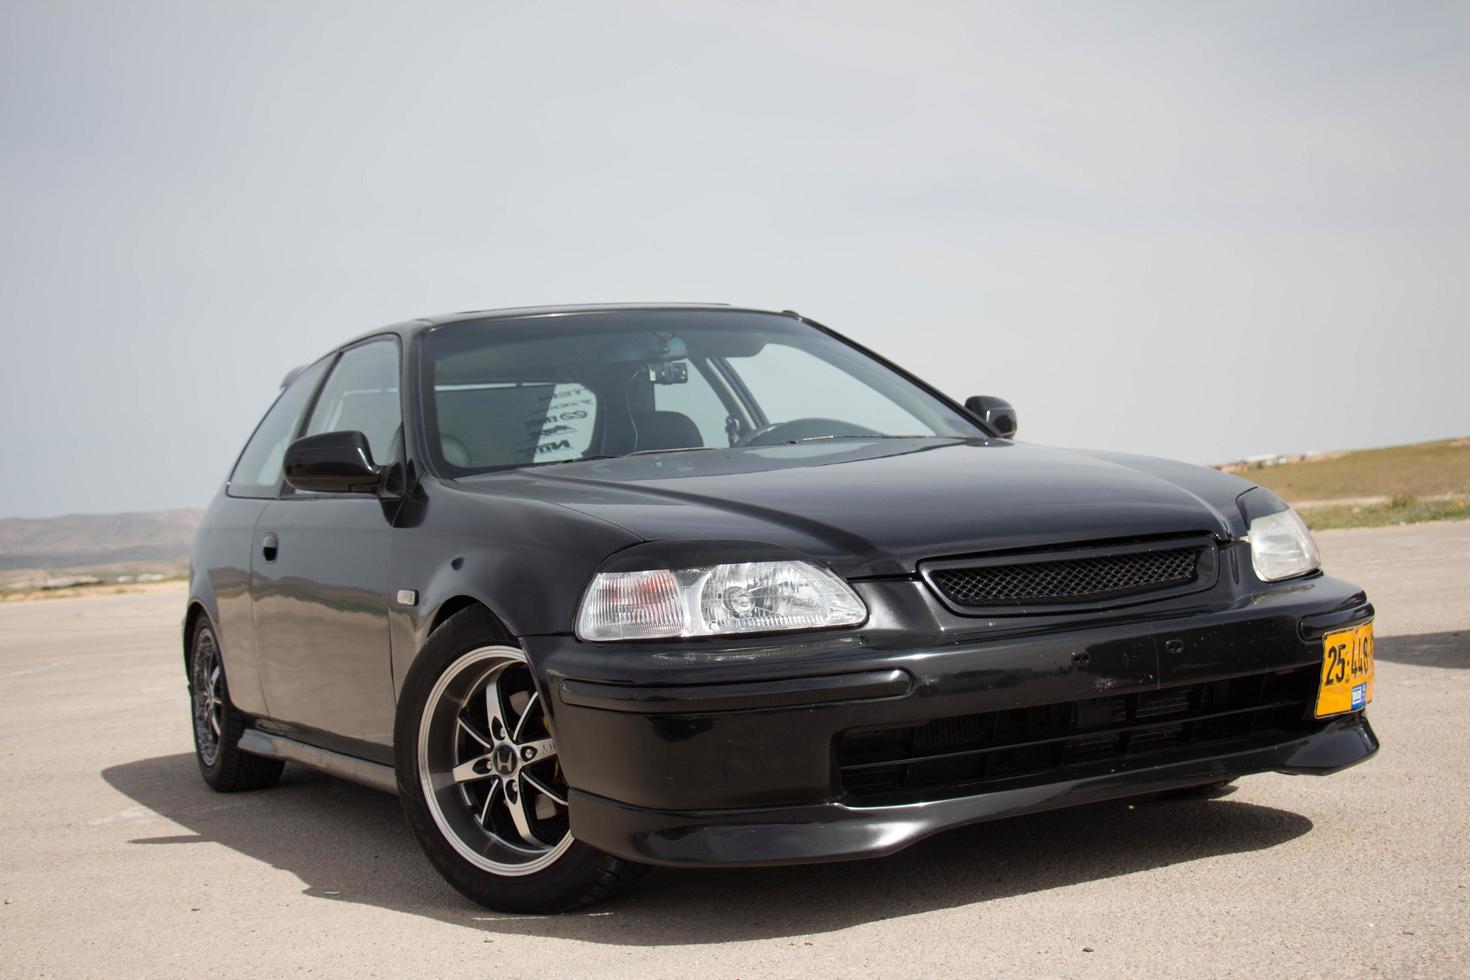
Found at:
(1394, 510)
(1424, 469)
(1426, 481)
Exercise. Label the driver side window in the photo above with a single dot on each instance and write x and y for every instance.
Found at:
(258, 471)
(361, 395)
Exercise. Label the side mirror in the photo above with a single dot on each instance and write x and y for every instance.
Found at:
(333, 462)
(994, 412)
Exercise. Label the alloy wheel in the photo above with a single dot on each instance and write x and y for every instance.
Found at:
(208, 695)
(488, 767)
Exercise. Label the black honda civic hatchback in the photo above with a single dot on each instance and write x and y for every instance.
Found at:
(593, 588)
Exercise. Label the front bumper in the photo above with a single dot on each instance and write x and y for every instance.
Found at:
(720, 753)
(835, 832)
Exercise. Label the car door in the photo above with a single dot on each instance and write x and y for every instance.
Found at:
(225, 538)
(319, 582)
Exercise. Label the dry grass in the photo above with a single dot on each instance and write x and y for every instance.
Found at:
(1396, 510)
(1425, 469)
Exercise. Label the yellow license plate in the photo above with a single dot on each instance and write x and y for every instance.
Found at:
(1347, 671)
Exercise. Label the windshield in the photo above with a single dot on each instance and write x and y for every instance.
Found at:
(554, 389)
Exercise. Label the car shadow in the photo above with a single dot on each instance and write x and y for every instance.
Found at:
(350, 844)
(1425, 649)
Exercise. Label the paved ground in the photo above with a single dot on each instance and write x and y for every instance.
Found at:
(116, 859)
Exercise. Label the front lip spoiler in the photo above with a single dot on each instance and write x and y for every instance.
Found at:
(837, 832)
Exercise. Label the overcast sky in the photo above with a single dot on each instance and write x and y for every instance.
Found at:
(1190, 230)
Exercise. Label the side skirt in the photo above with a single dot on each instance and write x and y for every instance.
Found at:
(372, 774)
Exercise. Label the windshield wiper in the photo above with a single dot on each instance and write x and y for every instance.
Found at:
(559, 462)
(707, 449)
(640, 452)
(680, 449)
(794, 442)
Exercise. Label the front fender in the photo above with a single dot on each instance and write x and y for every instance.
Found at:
(527, 561)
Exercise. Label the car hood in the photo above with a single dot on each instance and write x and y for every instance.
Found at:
(878, 507)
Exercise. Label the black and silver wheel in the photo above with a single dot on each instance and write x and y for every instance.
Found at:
(488, 767)
(206, 689)
(480, 779)
(217, 725)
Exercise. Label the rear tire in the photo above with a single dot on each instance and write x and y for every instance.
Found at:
(218, 725)
(480, 781)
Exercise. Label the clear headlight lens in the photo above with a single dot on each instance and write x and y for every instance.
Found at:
(748, 597)
(1282, 547)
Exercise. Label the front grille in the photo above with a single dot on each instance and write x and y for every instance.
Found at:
(1040, 580)
(1071, 739)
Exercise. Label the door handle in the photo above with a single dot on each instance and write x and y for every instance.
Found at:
(270, 546)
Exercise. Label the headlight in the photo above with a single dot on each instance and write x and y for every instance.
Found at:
(749, 597)
(1282, 547)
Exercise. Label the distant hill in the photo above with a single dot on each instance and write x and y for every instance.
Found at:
(86, 540)
(1425, 481)
(1422, 469)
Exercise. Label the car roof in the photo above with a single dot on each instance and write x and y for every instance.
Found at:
(408, 328)
(518, 311)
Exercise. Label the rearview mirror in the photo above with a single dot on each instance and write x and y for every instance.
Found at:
(333, 462)
(997, 413)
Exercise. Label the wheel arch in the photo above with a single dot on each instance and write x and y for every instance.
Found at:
(458, 603)
(409, 643)
(192, 615)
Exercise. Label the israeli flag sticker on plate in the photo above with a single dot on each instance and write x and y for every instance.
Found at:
(1360, 695)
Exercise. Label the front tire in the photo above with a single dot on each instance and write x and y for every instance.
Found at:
(218, 725)
(480, 780)
(1204, 791)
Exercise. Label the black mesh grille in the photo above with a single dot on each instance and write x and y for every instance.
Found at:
(1072, 739)
(1067, 580)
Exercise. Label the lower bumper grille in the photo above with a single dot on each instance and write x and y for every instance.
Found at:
(1072, 739)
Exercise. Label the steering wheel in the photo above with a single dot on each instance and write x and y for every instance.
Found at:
(796, 430)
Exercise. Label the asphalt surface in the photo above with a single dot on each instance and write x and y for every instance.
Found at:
(116, 859)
